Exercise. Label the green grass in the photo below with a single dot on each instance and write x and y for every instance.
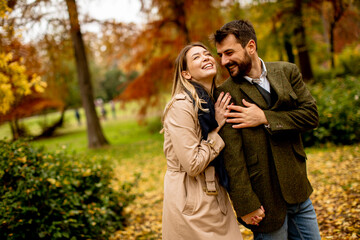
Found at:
(128, 140)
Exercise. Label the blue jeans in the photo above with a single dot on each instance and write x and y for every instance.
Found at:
(300, 224)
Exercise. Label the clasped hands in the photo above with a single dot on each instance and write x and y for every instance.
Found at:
(254, 217)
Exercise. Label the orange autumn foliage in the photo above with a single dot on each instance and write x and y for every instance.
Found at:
(30, 106)
(155, 48)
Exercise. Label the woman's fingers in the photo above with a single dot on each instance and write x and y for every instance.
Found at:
(227, 102)
(218, 101)
(224, 101)
(256, 219)
(227, 109)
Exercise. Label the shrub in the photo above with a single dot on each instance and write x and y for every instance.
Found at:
(347, 63)
(349, 60)
(338, 102)
(56, 196)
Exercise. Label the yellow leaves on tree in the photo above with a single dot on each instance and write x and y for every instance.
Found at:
(15, 83)
(3, 8)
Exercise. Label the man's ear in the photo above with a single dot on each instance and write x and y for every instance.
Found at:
(186, 75)
(251, 46)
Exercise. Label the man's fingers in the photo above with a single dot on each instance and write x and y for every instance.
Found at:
(246, 103)
(239, 118)
(262, 208)
(235, 108)
(227, 110)
(241, 125)
(234, 115)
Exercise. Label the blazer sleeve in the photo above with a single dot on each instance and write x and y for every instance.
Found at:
(243, 197)
(304, 116)
(193, 153)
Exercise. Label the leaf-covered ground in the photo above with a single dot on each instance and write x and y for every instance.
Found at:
(334, 173)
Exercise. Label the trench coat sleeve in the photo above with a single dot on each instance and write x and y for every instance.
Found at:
(193, 153)
(301, 118)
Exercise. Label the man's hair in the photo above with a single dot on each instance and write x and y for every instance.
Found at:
(241, 29)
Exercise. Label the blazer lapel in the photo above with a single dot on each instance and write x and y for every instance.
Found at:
(279, 84)
(252, 93)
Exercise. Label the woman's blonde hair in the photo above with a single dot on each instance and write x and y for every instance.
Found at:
(180, 84)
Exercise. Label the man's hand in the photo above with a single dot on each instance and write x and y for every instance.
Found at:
(243, 117)
(254, 217)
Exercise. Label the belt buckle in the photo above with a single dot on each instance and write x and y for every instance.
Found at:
(214, 193)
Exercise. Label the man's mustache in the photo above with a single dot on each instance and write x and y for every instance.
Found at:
(229, 64)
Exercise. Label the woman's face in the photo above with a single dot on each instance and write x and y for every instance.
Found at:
(200, 65)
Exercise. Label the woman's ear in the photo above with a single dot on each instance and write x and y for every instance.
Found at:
(186, 75)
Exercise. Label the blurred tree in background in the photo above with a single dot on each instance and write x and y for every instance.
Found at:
(171, 25)
(95, 135)
(21, 87)
(133, 62)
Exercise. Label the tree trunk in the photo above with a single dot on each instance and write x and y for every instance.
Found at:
(49, 131)
(14, 129)
(326, 32)
(300, 42)
(332, 50)
(276, 39)
(180, 20)
(95, 135)
(17, 130)
(289, 49)
(339, 8)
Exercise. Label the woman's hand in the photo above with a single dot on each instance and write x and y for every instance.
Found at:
(255, 217)
(221, 108)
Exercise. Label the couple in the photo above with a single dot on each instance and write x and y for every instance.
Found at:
(259, 114)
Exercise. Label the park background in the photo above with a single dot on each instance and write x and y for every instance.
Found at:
(82, 96)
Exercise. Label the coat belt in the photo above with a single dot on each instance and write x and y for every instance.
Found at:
(210, 185)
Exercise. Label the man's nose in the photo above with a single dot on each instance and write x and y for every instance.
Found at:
(224, 60)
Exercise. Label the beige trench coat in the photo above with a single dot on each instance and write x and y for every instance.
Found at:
(189, 212)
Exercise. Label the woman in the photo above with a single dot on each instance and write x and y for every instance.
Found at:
(195, 205)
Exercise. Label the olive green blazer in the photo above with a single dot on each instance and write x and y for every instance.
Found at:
(267, 165)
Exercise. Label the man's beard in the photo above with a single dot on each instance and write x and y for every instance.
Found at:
(243, 68)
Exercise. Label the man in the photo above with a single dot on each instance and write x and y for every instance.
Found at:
(264, 155)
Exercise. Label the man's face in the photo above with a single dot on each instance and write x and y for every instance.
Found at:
(234, 57)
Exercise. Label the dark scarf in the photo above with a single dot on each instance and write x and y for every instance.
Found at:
(208, 123)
